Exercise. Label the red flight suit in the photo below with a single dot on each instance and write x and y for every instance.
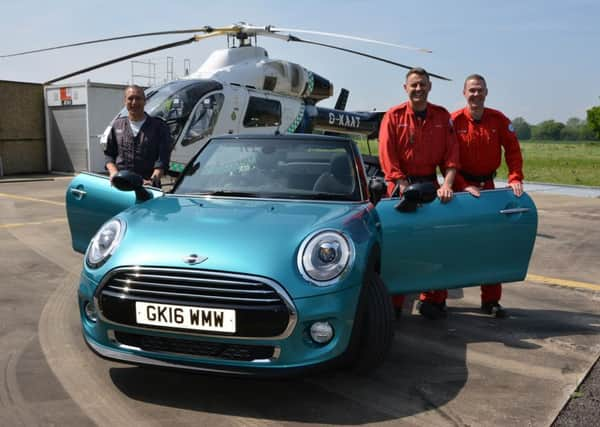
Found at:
(481, 143)
(412, 148)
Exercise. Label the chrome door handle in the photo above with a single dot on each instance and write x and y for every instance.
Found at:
(78, 193)
(514, 211)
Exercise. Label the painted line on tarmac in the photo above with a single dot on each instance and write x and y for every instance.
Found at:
(31, 199)
(25, 224)
(562, 282)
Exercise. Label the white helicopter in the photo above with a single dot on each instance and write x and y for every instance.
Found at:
(241, 90)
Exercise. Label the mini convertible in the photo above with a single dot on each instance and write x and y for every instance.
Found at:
(274, 254)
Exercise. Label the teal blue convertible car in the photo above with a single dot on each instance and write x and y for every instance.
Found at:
(274, 254)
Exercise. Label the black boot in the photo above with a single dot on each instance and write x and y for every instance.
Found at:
(494, 309)
(432, 310)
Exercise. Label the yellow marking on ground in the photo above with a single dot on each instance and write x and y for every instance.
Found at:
(32, 199)
(25, 224)
(562, 282)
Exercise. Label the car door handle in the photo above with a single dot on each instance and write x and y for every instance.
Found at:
(78, 193)
(514, 211)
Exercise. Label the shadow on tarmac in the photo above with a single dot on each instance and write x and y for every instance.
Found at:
(425, 370)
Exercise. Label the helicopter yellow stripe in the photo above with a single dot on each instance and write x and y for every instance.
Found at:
(31, 199)
(214, 33)
(562, 282)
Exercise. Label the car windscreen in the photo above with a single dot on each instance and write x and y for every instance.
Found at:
(274, 168)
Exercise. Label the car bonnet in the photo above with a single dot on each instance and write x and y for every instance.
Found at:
(259, 237)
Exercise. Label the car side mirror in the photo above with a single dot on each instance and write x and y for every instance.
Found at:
(415, 195)
(424, 192)
(129, 181)
(377, 189)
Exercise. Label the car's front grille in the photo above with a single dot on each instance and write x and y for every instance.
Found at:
(262, 307)
(191, 286)
(227, 351)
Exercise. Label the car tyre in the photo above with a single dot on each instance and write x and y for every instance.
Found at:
(373, 330)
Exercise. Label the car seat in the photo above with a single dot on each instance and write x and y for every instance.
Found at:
(339, 179)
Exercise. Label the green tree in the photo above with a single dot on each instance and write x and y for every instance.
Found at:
(572, 129)
(548, 129)
(569, 133)
(593, 119)
(522, 128)
(586, 133)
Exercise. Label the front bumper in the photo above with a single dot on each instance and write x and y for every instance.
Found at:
(265, 355)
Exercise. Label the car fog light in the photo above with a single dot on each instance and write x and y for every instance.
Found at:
(321, 332)
(90, 312)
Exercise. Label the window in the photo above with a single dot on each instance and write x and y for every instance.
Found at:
(262, 112)
(203, 118)
(270, 83)
(275, 167)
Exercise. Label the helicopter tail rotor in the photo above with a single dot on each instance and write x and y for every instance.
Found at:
(340, 104)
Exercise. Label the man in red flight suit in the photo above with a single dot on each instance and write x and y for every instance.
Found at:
(482, 133)
(415, 138)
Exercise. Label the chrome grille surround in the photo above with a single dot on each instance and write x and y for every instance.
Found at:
(257, 290)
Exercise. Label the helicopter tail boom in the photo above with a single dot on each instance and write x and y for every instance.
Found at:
(347, 122)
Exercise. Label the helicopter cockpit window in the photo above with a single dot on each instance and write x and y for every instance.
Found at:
(203, 118)
(173, 103)
(262, 112)
(175, 108)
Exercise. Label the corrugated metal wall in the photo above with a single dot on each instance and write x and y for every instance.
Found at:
(68, 151)
(22, 128)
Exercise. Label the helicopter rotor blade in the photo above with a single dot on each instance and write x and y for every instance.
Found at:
(205, 29)
(267, 31)
(344, 36)
(240, 30)
(135, 54)
(356, 52)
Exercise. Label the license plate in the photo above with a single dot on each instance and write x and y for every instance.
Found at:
(186, 317)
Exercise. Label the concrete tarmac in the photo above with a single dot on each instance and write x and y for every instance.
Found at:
(466, 370)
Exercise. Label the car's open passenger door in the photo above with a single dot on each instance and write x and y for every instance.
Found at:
(91, 200)
(466, 242)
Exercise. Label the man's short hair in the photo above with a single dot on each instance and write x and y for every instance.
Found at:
(136, 88)
(475, 77)
(419, 71)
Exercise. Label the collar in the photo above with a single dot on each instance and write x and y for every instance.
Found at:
(143, 118)
(411, 111)
(468, 115)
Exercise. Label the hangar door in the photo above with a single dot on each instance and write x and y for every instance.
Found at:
(68, 133)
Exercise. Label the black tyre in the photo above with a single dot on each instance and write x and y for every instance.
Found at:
(373, 330)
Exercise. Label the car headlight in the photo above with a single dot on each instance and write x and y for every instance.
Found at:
(105, 242)
(323, 256)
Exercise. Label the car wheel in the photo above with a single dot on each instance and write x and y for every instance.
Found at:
(373, 330)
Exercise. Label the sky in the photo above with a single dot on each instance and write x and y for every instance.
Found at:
(540, 57)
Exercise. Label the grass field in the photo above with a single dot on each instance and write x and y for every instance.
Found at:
(564, 162)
